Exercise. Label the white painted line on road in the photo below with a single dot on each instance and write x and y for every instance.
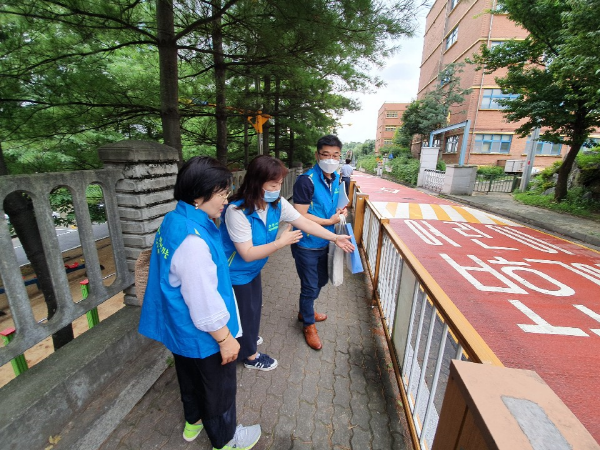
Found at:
(453, 213)
(428, 212)
(482, 216)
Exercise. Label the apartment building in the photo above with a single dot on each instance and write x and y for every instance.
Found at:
(389, 118)
(455, 30)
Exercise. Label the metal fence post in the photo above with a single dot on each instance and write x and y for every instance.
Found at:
(92, 315)
(19, 364)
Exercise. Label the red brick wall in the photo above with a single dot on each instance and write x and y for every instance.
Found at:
(383, 121)
(475, 27)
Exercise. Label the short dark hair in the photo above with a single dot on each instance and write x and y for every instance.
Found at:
(261, 169)
(330, 140)
(201, 177)
(348, 161)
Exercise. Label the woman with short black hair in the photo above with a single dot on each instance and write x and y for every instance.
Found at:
(190, 307)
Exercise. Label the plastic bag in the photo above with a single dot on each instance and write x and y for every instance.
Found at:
(335, 258)
(353, 258)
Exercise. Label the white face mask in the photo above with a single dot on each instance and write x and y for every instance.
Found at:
(329, 165)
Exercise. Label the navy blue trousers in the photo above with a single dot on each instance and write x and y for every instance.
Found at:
(311, 265)
(249, 300)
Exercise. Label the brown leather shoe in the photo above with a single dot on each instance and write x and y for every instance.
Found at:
(312, 337)
(318, 317)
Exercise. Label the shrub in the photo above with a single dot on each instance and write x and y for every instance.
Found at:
(589, 164)
(490, 171)
(404, 170)
(368, 162)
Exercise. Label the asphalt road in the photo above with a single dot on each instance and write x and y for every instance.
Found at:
(68, 239)
(532, 296)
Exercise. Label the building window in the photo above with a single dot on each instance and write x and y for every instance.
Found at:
(451, 144)
(390, 128)
(391, 114)
(495, 43)
(387, 142)
(491, 96)
(451, 39)
(545, 148)
(453, 4)
(492, 143)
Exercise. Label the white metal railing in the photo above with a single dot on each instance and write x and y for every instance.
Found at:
(433, 180)
(425, 331)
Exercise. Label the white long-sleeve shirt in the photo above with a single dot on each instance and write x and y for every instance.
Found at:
(239, 227)
(193, 269)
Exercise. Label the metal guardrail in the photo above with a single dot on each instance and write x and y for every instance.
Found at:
(433, 180)
(496, 183)
(423, 328)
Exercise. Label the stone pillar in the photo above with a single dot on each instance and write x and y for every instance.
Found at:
(491, 407)
(144, 195)
(429, 158)
(459, 180)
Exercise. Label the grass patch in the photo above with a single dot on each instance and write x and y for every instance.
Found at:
(573, 204)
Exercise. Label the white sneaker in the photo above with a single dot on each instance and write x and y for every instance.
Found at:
(244, 438)
(259, 340)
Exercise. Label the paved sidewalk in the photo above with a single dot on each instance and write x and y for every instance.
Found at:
(342, 397)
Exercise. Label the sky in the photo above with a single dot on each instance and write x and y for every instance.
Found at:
(401, 74)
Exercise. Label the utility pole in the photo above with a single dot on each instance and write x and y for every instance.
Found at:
(530, 158)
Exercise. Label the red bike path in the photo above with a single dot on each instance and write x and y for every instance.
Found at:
(533, 297)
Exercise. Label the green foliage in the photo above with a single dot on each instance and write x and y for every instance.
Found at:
(367, 162)
(490, 171)
(69, 69)
(405, 170)
(589, 164)
(367, 148)
(431, 111)
(574, 203)
(441, 165)
(553, 72)
(61, 201)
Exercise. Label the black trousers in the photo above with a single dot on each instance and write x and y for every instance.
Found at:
(249, 300)
(208, 392)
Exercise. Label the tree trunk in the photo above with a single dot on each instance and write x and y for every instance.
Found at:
(266, 110)
(3, 167)
(578, 138)
(291, 151)
(22, 217)
(246, 145)
(277, 128)
(169, 78)
(561, 188)
(220, 70)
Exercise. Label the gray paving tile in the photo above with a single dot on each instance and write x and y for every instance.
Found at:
(341, 397)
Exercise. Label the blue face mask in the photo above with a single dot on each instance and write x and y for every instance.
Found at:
(270, 196)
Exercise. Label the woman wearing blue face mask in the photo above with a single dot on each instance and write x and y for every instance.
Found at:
(249, 228)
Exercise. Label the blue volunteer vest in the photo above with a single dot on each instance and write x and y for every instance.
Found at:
(243, 272)
(165, 316)
(323, 205)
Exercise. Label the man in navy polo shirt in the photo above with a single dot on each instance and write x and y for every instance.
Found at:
(316, 197)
